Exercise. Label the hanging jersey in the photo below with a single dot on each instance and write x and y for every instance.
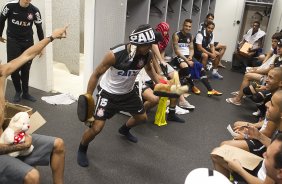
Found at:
(20, 21)
(184, 42)
(120, 78)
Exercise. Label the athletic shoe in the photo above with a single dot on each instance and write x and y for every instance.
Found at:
(173, 117)
(214, 92)
(128, 135)
(186, 105)
(196, 90)
(217, 75)
(29, 97)
(257, 113)
(17, 97)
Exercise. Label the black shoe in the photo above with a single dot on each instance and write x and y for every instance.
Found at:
(173, 117)
(29, 97)
(17, 97)
(82, 159)
(128, 135)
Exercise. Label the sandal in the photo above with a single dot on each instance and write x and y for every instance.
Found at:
(232, 101)
(235, 93)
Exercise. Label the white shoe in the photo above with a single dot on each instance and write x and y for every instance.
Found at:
(257, 113)
(217, 75)
(178, 110)
(186, 105)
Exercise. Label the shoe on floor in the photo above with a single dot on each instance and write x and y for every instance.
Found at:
(17, 97)
(257, 113)
(232, 101)
(186, 105)
(173, 117)
(196, 90)
(217, 75)
(128, 135)
(29, 97)
(214, 92)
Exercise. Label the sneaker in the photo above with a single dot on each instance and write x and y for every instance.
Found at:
(186, 105)
(17, 97)
(29, 97)
(214, 92)
(196, 90)
(173, 117)
(216, 75)
(128, 135)
(257, 113)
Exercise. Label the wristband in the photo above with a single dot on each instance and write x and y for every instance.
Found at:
(51, 38)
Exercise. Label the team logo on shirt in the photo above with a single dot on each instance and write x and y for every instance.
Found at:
(100, 112)
(188, 40)
(30, 16)
(140, 63)
(5, 11)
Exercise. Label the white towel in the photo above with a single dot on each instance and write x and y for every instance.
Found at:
(61, 99)
(252, 39)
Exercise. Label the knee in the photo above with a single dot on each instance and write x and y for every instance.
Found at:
(224, 143)
(143, 118)
(32, 176)
(155, 100)
(96, 129)
(205, 56)
(59, 145)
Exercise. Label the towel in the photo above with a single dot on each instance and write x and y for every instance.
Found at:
(61, 99)
(252, 39)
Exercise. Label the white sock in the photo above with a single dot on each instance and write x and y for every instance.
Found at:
(214, 70)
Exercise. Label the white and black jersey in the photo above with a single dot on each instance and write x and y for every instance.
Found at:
(120, 78)
(20, 21)
(184, 42)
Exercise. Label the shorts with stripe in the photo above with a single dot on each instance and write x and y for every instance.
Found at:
(256, 147)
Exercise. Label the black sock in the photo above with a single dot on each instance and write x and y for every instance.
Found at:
(83, 148)
(206, 83)
(82, 159)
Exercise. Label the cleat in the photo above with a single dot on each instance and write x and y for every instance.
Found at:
(196, 90)
(214, 92)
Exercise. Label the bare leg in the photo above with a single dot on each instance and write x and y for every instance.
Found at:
(242, 144)
(58, 161)
(87, 137)
(246, 82)
(32, 177)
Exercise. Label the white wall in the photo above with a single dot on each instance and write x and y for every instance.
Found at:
(275, 23)
(40, 68)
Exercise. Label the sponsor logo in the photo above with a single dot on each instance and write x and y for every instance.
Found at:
(38, 18)
(30, 16)
(15, 13)
(140, 110)
(183, 44)
(20, 23)
(128, 73)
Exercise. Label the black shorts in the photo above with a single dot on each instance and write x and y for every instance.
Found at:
(109, 104)
(256, 147)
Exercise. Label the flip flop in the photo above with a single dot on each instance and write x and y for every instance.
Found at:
(235, 93)
(230, 100)
(221, 65)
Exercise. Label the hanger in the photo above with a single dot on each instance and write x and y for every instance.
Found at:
(183, 9)
(169, 8)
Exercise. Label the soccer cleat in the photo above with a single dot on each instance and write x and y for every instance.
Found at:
(214, 92)
(196, 90)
